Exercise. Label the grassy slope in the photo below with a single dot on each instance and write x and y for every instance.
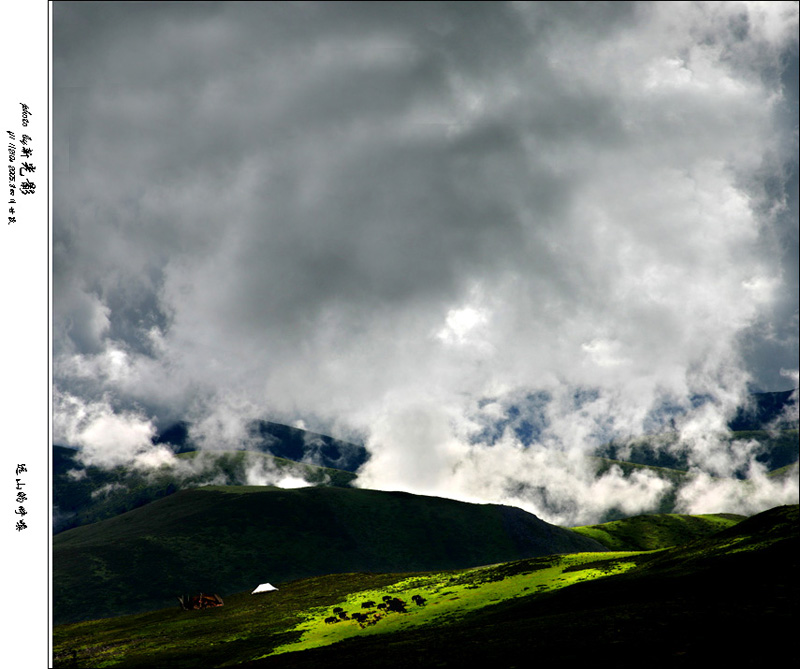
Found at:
(97, 494)
(229, 538)
(650, 532)
(775, 449)
(730, 597)
(89, 494)
(661, 456)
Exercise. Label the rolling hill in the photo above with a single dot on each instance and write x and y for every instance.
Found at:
(731, 597)
(229, 538)
(83, 495)
(133, 540)
(654, 531)
(774, 449)
(282, 441)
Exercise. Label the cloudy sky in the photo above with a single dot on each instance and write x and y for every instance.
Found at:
(405, 224)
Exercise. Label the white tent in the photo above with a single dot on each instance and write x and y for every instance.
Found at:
(264, 587)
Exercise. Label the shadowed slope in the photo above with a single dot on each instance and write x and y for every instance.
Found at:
(729, 598)
(228, 539)
(84, 495)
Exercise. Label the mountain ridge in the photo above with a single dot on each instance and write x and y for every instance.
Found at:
(228, 538)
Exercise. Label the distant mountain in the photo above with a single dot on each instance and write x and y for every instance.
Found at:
(775, 449)
(765, 410)
(528, 418)
(762, 411)
(282, 441)
(230, 538)
(83, 495)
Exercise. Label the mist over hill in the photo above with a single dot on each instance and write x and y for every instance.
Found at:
(478, 241)
(282, 441)
(773, 410)
(84, 494)
(536, 255)
(656, 468)
(271, 454)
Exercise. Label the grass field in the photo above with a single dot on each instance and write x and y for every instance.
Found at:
(652, 531)
(690, 602)
(450, 596)
(250, 627)
(225, 539)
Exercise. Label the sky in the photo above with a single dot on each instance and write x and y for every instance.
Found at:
(420, 225)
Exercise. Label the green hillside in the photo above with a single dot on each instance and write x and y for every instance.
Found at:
(226, 539)
(83, 495)
(661, 455)
(654, 531)
(774, 449)
(730, 597)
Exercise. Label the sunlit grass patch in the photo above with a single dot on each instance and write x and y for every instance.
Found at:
(450, 595)
(651, 532)
(493, 603)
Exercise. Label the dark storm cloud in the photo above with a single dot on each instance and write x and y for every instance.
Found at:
(397, 219)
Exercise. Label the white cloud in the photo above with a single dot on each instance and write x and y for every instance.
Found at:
(106, 437)
(758, 493)
(300, 217)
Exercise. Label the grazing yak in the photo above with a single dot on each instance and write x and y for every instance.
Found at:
(419, 600)
(368, 604)
(365, 619)
(397, 605)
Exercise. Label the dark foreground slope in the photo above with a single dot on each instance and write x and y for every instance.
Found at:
(228, 539)
(726, 600)
(729, 599)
